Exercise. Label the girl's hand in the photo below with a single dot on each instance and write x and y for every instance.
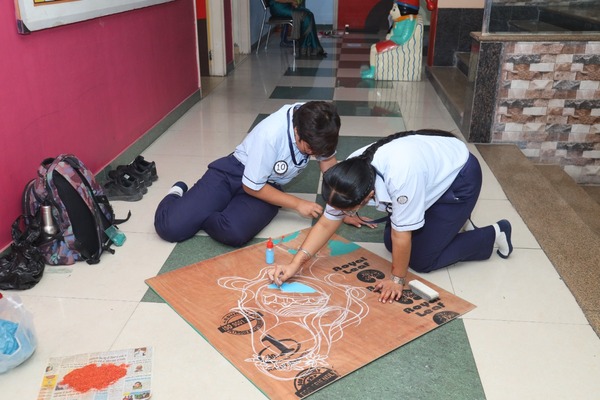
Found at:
(308, 209)
(359, 221)
(389, 291)
(281, 273)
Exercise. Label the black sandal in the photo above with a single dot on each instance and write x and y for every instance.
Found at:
(144, 165)
(143, 176)
(124, 187)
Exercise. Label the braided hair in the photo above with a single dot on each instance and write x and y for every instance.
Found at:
(349, 182)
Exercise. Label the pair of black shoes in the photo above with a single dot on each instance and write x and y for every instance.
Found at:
(130, 182)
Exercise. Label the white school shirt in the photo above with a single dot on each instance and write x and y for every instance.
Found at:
(413, 172)
(269, 152)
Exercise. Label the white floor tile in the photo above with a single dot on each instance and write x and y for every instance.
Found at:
(272, 105)
(64, 326)
(371, 126)
(185, 365)
(354, 45)
(375, 95)
(535, 361)
(118, 276)
(525, 287)
(416, 92)
(431, 122)
(196, 121)
(199, 142)
(426, 109)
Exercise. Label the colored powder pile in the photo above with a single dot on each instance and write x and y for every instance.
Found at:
(94, 376)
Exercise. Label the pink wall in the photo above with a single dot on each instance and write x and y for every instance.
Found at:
(91, 88)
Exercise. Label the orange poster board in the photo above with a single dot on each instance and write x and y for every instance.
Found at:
(318, 327)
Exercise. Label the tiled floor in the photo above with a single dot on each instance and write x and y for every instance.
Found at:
(527, 338)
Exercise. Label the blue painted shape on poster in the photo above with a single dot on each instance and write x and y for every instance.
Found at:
(287, 238)
(293, 287)
(338, 248)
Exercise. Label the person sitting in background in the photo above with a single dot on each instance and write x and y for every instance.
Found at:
(305, 28)
(285, 31)
(285, 42)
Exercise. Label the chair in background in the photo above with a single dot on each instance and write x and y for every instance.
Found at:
(273, 21)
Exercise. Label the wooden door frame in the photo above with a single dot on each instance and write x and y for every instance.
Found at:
(216, 27)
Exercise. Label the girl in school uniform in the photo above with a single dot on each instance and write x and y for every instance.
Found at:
(428, 182)
(241, 193)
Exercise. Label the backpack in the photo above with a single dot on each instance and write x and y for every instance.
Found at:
(80, 212)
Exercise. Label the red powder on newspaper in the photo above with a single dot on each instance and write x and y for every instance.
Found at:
(94, 376)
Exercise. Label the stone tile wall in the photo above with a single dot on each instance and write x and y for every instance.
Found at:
(453, 32)
(542, 2)
(548, 104)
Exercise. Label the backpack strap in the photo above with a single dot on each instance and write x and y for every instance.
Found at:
(120, 221)
(104, 200)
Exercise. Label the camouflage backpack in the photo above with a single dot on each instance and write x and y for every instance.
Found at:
(80, 211)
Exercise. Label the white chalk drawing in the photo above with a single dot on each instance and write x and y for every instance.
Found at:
(303, 307)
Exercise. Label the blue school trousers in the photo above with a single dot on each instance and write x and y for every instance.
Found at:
(216, 204)
(439, 242)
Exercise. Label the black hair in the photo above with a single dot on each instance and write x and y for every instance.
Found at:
(347, 184)
(318, 124)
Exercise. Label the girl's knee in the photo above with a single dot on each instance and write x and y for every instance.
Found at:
(165, 234)
(425, 262)
(421, 268)
(170, 233)
(233, 239)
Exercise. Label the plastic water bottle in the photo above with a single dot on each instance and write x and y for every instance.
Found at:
(270, 254)
(115, 235)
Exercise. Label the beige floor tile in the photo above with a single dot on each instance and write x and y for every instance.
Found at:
(537, 361)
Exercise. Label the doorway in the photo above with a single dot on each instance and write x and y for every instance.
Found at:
(227, 33)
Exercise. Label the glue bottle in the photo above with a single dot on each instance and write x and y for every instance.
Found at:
(270, 254)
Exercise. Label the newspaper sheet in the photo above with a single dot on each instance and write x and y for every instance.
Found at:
(88, 376)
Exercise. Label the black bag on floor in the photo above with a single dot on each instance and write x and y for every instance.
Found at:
(24, 266)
